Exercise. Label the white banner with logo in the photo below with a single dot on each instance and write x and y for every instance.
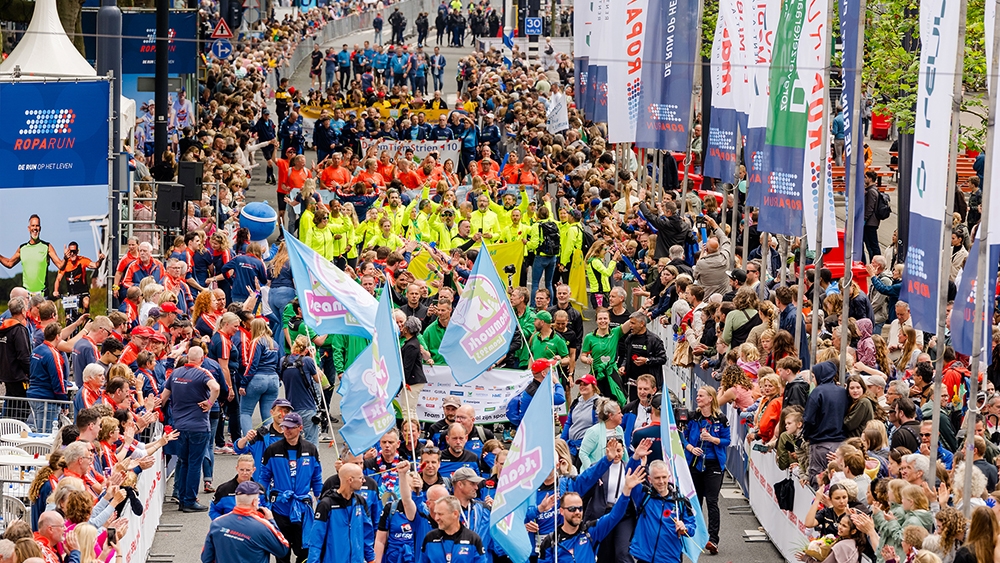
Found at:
(556, 116)
(488, 394)
(445, 149)
(626, 42)
(786, 529)
(136, 543)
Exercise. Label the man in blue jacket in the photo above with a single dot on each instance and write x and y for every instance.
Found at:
(254, 442)
(248, 534)
(823, 421)
(519, 404)
(452, 541)
(787, 319)
(291, 468)
(441, 132)
(578, 541)
(343, 531)
(225, 496)
(664, 516)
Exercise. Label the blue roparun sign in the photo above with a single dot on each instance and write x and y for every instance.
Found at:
(139, 41)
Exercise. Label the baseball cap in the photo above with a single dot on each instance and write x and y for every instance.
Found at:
(168, 307)
(465, 474)
(738, 275)
(154, 312)
(490, 115)
(292, 420)
(875, 381)
(538, 366)
(544, 316)
(143, 331)
(265, 111)
(159, 337)
(587, 379)
(248, 488)
(279, 402)
(451, 402)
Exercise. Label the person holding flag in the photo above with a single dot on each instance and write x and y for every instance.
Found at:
(578, 541)
(707, 439)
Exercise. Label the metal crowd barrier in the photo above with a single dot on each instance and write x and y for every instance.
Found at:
(41, 415)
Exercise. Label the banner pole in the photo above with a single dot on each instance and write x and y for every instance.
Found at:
(800, 296)
(983, 258)
(857, 159)
(746, 232)
(695, 94)
(553, 373)
(765, 253)
(949, 203)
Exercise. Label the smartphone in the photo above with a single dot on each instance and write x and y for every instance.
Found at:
(112, 536)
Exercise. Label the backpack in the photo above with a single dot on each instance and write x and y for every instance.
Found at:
(588, 241)
(882, 207)
(550, 239)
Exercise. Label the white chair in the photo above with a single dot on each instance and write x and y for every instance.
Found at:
(39, 448)
(12, 426)
(12, 509)
(14, 450)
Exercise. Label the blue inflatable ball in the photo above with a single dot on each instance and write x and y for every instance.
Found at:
(260, 219)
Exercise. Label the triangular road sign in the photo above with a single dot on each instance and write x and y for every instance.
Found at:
(222, 30)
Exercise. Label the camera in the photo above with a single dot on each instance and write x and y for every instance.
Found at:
(509, 269)
(700, 220)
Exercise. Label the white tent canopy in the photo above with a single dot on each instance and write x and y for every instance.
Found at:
(45, 51)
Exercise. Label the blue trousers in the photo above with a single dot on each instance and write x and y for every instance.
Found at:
(542, 265)
(189, 458)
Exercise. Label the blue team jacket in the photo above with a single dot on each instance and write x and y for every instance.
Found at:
(245, 268)
(655, 538)
(266, 435)
(580, 484)
(48, 374)
(342, 531)
(243, 537)
(263, 360)
(463, 547)
(291, 476)
(581, 547)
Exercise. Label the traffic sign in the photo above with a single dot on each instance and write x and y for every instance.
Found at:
(532, 26)
(222, 30)
(222, 48)
(251, 11)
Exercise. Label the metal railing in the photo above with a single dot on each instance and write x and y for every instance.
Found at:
(41, 415)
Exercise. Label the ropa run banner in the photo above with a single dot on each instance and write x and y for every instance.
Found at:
(720, 160)
(54, 145)
(488, 394)
(964, 312)
(668, 78)
(931, 145)
(764, 15)
(854, 178)
(625, 68)
(445, 149)
(581, 52)
(597, 69)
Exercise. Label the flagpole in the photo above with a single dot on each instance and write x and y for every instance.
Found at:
(746, 228)
(857, 159)
(800, 297)
(949, 204)
(555, 471)
(695, 94)
(983, 258)
(762, 271)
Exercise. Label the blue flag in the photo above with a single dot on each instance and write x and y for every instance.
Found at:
(371, 383)
(531, 459)
(673, 454)
(332, 302)
(631, 268)
(482, 325)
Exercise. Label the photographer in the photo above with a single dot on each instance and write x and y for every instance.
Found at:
(300, 376)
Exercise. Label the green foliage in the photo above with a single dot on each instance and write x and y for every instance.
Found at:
(709, 17)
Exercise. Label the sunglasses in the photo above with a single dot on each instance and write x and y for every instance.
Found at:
(573, 508)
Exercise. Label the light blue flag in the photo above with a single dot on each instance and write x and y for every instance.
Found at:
(332, 302)
(673, 454)
(531, 459)
(372, 382)
(482, 325)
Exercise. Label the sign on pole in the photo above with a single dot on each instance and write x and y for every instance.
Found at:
(222, 30)
(532, 26)
(222, 48)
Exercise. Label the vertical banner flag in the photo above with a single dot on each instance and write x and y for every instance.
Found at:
(628, 25)
(736, 23)
(965, 301)
(931, 145)
(810, 208)
(332, 302)
(597, 71)
(668, 76)
(530, 461)
(371, 383)
(854, 179)
(764, 15)
(673, 453)
(482, 325)
(720, 161)
(581, 52)
(795, 155)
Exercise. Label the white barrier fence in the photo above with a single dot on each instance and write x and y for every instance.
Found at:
(151, 485)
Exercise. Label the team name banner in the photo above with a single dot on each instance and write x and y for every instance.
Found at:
(531, 459)
(488, 395)
(963, 314)
(482, 325)
(931, 144)
(720, 160)
(764, 16)
(332, 302)
(668, 77)
(854, 179)
(445, 149)
(628, 24)
(371, 383)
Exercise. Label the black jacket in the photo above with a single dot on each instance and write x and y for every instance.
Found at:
(15, 352)
(650, 346)
(670, 230)
(413, 369)
(823, 420)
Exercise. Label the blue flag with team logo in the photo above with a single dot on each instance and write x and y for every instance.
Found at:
(371, 383)
(531, 459)
(332, 302)
(673, 453)
(482, 325)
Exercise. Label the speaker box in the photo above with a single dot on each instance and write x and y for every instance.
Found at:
(189, 175)
(170, 204)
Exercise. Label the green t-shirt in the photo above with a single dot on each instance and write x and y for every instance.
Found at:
(433, 335)
(345, 349)
(604, 350)
(544, 349)
(302, 328)
(527, 322)
(34, 265)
